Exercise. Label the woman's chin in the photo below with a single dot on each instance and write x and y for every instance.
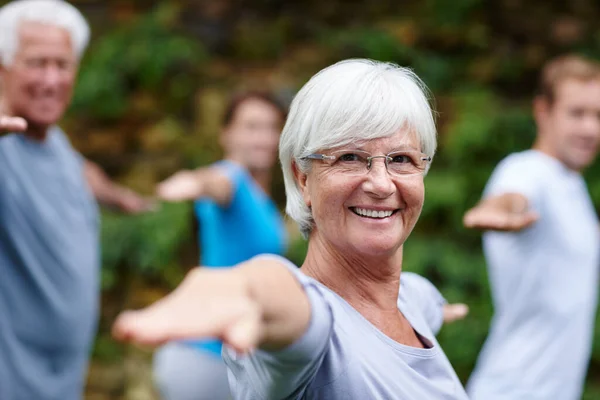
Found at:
(374, 246)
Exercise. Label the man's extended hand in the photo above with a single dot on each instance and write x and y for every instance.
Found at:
(12, 124)
(508, 212)
(130, 202)
(454, 312)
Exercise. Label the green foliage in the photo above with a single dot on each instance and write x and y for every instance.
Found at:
(479, 59)
(447, 13)
(297, 251)
(366, 42)
(144, 56)
(147, 243)
(107, 350)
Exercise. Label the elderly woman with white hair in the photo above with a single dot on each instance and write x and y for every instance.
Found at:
(358, 141)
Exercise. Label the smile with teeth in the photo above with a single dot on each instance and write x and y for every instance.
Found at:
(364, 212)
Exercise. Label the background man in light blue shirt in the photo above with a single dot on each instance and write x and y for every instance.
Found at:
(543, 247)
(49, 249)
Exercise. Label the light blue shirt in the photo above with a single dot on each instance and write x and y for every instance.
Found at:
(544, 283)
(248, 226)
(49, 269)
(342, 356)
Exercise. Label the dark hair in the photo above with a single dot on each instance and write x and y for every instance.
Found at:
(565, 67)
(237, 100)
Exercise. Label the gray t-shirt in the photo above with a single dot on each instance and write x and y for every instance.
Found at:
(49, 269)
(544, 283)
(342, 356)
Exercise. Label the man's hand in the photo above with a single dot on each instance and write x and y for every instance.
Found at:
(184, 185)
(508, 212)
(12, 124)
(113, 195)
(454, 312)
(130, 202)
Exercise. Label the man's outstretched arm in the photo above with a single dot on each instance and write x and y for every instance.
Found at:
(506, 212)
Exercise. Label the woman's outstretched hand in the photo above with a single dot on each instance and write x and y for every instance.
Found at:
(207, 304)
(258, 303)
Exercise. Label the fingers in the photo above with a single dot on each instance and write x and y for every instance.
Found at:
(164, 192)
(243, 336)
(151, 326)
(499, 221)
(180, 187)
(12, 124)
(131, 202)
(139, 204)
(131, 326)
(516, 222)
(470, 219)
(168, 319)
(207, 304)
(454, 312)
(480, 219)
(168, 189)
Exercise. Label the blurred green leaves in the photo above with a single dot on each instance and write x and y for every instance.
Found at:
(147, 243)
(147, 55)
(480, 59)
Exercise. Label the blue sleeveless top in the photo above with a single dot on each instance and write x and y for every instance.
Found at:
(248, 226)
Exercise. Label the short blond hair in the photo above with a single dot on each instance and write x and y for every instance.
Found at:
(562, 68)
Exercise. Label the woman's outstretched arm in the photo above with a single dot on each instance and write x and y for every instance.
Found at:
(258, 304)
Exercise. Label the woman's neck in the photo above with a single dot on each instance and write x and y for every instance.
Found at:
(364, 282)
(263, 178)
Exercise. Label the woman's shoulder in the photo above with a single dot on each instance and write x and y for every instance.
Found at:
(421, 300)
(414, 285)
(232, 170)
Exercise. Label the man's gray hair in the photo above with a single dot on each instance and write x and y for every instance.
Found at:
(52, 12)
(348, 102)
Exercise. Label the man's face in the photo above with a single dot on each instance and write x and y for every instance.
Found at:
(38, 85)
(571, 125)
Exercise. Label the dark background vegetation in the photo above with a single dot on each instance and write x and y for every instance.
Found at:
(157, 74)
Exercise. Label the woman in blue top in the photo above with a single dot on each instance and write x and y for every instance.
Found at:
(238, 220)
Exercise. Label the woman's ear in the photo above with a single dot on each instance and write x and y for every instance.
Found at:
(302, 182)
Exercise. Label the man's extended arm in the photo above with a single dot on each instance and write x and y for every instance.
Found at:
(112, 194)
(506, 212)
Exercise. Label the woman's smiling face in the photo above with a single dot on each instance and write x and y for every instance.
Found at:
(370, 214)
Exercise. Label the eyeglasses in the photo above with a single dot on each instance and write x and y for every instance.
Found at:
(358, 162)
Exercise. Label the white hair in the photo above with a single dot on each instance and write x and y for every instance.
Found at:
(52, 12)
(351, 101)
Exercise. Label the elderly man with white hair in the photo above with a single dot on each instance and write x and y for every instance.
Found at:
(349, 324)
(49, 249)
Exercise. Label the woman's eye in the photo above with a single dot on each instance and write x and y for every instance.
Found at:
(349, 157)
(401, 159)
